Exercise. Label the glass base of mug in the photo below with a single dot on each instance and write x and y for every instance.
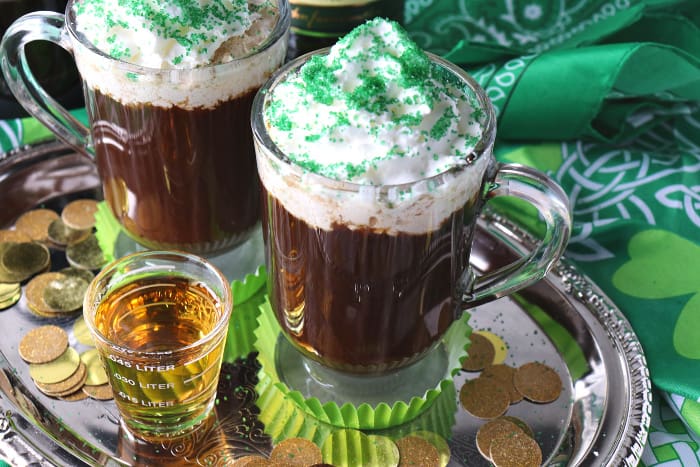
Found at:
(235, 264)
(312, 379)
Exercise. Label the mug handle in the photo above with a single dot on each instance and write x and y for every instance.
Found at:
(553, 206)
(46, 26)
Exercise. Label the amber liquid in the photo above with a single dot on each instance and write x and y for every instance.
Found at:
(166, 390)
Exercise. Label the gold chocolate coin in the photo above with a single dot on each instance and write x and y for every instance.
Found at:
(57, 370)
(65, 293)
(35, 294)
(383, 451)
(62, 235)
(484, 398)
(515, 450)
(15, 236)
(68, 386)
(84, 274)
(96, 371)
(10, 294)
(414, 450)
(439, 442)
(7, 277)
(520, 424)
(43, 344)
(296, 452)
(491, 430)
(8, 289)
(80, 214)
(86, 254)
(82, 333)
(35, 223)
(78, 395)
(537, 382)
(500, 348)
(25, 259)
(479, 354)
(252, 461)
(102, 392)
(504, 374)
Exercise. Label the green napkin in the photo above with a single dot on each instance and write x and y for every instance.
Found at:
(598, 71)
(18, 132)
(605, 97)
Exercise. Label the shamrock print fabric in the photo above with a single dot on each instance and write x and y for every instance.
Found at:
(604, 96)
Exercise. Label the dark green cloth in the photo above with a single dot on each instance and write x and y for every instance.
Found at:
(605, 97)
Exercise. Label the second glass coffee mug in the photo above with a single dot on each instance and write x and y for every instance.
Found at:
(173, 146)
(367, 279)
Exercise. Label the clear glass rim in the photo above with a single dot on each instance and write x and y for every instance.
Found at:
(91, 298)
(262, 137)
(277, 34)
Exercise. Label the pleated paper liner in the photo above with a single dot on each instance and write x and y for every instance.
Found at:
(365, 416)
(284, 418)
(107, 230)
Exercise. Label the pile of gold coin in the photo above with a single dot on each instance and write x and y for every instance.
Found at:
(352, 447)
(58, 370)
(505, 441)
(25, 257)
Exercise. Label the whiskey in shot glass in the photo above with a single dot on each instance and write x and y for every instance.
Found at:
(159, 321)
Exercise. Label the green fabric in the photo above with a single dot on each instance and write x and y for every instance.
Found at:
(19, 132)
(604, 96)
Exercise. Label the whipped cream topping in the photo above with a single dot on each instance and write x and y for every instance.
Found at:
(379, 113)
(153, 57)
(375, 110)
(166, 34)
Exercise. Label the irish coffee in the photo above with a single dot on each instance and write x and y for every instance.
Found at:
(178, 178)
(372, 181)
(169, 97)
(360, 299)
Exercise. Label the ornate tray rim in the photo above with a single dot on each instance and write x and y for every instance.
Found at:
(632, 435)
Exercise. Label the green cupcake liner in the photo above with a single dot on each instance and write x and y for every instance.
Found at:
(107, 229)
(283, 418)
(248, 296)
(365, 416)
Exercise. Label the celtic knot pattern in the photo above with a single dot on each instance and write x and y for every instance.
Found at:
(526, 25)
(609, 186)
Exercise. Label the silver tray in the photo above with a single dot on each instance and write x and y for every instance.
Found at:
(607, 392)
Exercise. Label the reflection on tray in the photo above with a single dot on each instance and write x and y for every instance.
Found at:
(231, 431)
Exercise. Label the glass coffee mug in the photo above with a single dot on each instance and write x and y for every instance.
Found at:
(366, 280)
(173, 147)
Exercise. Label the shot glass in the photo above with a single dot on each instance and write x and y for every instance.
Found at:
(159, 321)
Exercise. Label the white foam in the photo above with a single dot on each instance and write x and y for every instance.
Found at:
(422, 209)
(374, 123)
(202, 86)
(421, 140)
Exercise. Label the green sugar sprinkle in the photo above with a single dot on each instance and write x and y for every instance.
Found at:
(391, 80)
(189, 23)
